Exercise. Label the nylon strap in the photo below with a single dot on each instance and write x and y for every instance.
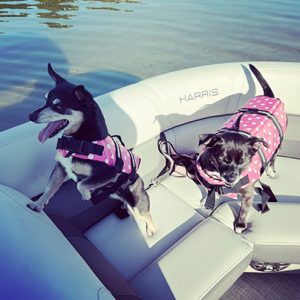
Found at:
(268, 115)
(267, 195)
(80, 147)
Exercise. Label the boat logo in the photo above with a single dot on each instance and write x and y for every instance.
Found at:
(198, 95)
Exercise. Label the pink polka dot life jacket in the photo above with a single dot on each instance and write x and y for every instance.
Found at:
(263, 117)
(107, 151)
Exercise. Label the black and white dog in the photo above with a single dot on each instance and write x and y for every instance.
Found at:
(86, 152)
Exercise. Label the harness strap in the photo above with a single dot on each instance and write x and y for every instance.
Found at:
(242, 182)
(211, 198)
(236, 125)
(80, 147)
(266, 114)
(166, 149)
(122, 183)
(266, 195)
(119, 138)
(173, 159)
(119, 161)
(223, 190)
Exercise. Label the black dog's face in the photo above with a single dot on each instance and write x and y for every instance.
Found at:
(67, 105)
(230, 153)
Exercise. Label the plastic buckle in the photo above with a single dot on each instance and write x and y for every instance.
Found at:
(81, 147)
(60, 143)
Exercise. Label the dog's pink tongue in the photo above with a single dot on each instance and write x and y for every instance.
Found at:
(48, 130)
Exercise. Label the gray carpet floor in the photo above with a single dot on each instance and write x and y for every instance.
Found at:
(266, 286)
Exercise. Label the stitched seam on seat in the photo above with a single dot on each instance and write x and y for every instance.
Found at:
(277, 243)
(27, 209)
(160, 256)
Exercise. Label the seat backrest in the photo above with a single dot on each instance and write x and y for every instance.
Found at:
(140, 112)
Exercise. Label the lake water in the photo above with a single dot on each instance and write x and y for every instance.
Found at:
(111, 43)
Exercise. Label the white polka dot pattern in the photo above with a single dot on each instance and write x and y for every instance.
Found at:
(257, 125)
(109, 155)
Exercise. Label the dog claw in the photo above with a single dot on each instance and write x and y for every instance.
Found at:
(271, 173)
(150, 230)
(240, 228)
(86, 196)
(35, 207)
(85, 193)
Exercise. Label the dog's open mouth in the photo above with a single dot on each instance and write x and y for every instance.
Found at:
(52, 129)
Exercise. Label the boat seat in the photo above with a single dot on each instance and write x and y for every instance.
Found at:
(114, 247)
(275, 234)
(34, 244)
(202, 265)
(110, 277)
(124, 242)
(37, 261)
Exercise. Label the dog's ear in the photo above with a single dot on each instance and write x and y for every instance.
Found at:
(83, 95)
(210, 140)
(255, 144)
(57, 78)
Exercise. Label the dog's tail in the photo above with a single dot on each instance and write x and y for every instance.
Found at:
(267, 90)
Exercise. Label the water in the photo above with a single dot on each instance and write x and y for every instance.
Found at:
(108, 44)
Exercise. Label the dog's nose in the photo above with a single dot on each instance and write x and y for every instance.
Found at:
(230, 177)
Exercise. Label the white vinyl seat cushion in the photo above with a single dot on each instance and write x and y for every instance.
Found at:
(36, 260)
(126, 246)
(275, 234)
(185, 188)
(286, 185)
(202, 265)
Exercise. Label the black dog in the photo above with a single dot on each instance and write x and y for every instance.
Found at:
(71, 110)
(233, 150)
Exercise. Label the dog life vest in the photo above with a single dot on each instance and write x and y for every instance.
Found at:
(107, 151)
(263, 117)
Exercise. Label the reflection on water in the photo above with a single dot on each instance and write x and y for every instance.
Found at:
(58, 10)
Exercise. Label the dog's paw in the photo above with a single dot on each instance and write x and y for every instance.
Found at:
(202, 203)
(150, 229)
(271, 173)
(86, 195)
(35, 207)
(240, 227)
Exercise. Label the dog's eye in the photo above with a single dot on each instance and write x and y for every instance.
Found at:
(58, 107)
(227, 160)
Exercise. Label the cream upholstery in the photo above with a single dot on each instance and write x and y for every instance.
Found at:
(36, 261)
(202, 265)
(126, 246)
(275, 234)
